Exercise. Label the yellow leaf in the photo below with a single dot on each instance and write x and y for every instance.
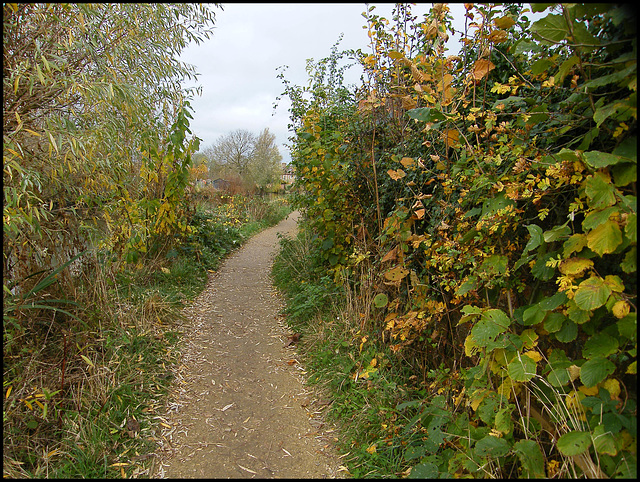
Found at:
(53, 452)
(470, 346)
(534, 355)
(451, 137)
(575, 266)
(53, 142)
(390, 256)
(588, 391)
(372, 449)
(396, 274)
(498, 36)
(89, 362)
(621, 309)
(477, 397)
(574, 372)
(613, 387)
(9, 391)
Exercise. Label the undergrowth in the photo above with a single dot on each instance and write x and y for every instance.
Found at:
(84, 382)
(371, 389)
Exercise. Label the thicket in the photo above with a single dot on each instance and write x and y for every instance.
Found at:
(482, 208)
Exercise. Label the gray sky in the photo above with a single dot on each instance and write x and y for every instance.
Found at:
(237, 65)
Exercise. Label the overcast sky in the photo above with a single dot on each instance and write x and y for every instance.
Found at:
(237, 65)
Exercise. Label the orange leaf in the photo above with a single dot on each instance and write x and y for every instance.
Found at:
(481, 68)
(407, 162)
(451, 137)
(390, 256)
(395, 175)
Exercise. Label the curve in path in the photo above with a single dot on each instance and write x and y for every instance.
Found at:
(240, 407)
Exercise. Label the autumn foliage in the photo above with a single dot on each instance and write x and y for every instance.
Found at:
(494, 191)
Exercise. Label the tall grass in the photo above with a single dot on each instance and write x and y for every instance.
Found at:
(84, 381)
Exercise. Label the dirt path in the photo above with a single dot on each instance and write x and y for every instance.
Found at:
(240, 409)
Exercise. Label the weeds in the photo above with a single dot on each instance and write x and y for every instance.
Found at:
(84, 383)
(345, 357)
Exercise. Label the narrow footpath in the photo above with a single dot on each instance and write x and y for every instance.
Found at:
(240, 408)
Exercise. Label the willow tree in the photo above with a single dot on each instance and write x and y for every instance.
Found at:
(94, 123)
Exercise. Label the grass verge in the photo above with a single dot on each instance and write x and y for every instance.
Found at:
(371, 389)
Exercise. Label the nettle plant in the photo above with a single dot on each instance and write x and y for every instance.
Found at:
(502, 200)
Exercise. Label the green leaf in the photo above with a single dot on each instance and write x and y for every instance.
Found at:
(605, 238)
(604, 442)
(533, 315)
(565, 68)
(597, 159)
(631, 228)
(611, 78)
(554, 322)
(494, 265)
(522, 368)
(568, 332)
(426, 114)
(624, 173)
(492, 447)
(492, 323)
(557, 233)
(574, 443)
(628, 326)
(600, 344)
(574, 244)
(596, 218)
(535, 237)
(471, 283)
(592, 293)
(596, 370)
(425, 470)
(381, 300)
(558, 374)
(306, 136)
(551, 28)
(531, 458)
(503, 421)
(600, 191)
(552, 302)
(540, 269)
(576, 314)
(629, 263)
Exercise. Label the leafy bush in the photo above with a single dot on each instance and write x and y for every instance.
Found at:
(495, 192)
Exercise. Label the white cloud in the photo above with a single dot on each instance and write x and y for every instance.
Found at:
(250, 41)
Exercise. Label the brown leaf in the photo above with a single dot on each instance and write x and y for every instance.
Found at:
(481, 68)
(292, 339)
(133, 427)
(390, 256)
